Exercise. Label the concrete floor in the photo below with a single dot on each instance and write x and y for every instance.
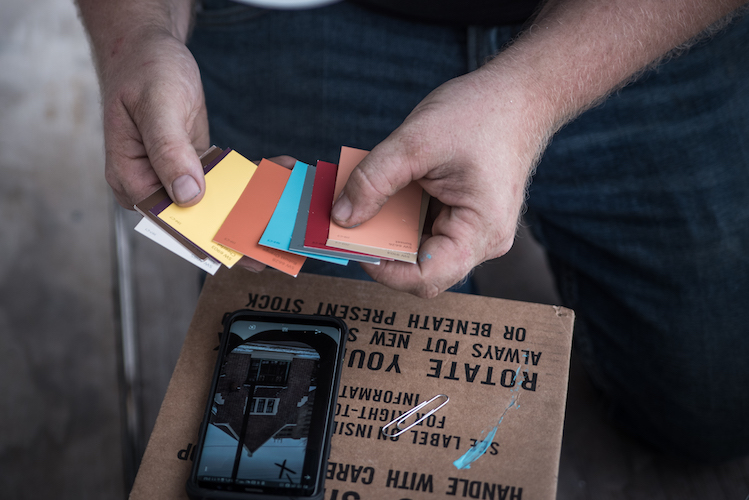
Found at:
(63, 413)
(58, 366)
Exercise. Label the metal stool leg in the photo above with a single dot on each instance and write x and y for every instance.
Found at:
(127, 341)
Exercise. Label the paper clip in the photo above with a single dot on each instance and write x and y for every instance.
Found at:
(398, 422)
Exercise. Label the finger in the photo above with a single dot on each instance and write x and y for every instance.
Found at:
(127, 169)
(166, 137)
(250, 264)
(284, 160)
(435, 270)
(144, 182)
(457, 246)
(380, 174)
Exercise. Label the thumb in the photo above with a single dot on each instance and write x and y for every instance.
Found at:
(172, 155)
(381, 174)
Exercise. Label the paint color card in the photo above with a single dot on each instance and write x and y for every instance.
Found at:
(161, 199)
(318, 221)
(281, 226)
(224, 183)
(395, 232)
(300, 226)
(214, 158)
(144, 208)
(147, 228)
(244, 226)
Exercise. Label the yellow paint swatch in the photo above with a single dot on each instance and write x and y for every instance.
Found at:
(223, 185)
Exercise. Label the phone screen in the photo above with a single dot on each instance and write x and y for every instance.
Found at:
(270, 407)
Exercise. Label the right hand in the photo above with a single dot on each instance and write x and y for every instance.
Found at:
(471, 144)
(155, 120)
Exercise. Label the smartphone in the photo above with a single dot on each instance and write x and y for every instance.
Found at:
(269, 417)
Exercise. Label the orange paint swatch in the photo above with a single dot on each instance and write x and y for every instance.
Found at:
(395, 232)
(244, 226)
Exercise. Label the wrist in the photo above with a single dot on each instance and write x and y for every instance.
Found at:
(577, 52)
(527, 116)
(117, 29)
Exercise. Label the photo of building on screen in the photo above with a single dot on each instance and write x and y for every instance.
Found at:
(264, 398)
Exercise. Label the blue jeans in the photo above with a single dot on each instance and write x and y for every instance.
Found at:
(642, 203)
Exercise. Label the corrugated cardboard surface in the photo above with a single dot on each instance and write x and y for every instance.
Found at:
(504, 365)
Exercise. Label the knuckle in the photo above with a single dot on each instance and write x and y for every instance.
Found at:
(374, 183)
(428, 290)
(412, 143)
(423, 154)
(508, 244)
(112, 178)
(163, 153)
(503, 246)
(118, 187)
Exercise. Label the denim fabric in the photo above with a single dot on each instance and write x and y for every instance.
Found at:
(642, 203)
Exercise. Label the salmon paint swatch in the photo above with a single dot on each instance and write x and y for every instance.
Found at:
(395, 232)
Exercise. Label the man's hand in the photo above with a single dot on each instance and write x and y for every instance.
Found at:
(473, 142)
(155, 121)
(464, 146)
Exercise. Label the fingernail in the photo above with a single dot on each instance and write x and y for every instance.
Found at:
(342, 209)
(257, 268)
(185, 189)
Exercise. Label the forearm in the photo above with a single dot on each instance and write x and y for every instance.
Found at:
(114, 25)
(578, 51)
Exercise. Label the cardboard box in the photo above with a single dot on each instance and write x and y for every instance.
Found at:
(503, 364)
